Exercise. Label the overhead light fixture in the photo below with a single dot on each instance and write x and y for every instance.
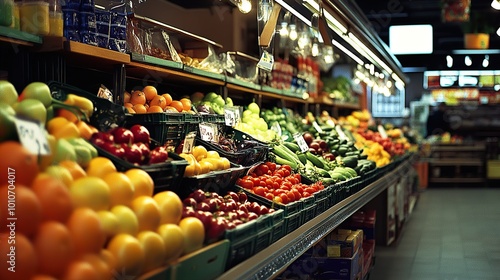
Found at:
(486, 61)
(293, 11)
(293, 35)
(498, 31)
(284, 29)
(495, 4)
(347, 52)
(245, 6)
(468, 61)
(449, 61)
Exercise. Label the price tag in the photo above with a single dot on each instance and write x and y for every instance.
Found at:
(341, 133)
(301, 142)
(382, 131)
(232, 115)
(207, 132)
(32, 136)
(317, 127)
(266, 62)
(187, 148)
(277, 128)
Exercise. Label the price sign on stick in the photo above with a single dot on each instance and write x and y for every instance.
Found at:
(301, 142)
(232, 115)
(32, 136)
(382, 131)
(189, 142)
(341, 133)
(207, 132)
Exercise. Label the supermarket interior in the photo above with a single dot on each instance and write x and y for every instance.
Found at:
(249, 139)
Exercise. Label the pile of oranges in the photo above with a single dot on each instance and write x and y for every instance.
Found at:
(148, 100)
(93, 223)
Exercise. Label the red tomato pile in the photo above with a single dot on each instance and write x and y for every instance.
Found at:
(277, 183)
(218, 213)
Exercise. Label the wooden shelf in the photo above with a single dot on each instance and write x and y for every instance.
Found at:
(17, 37)
(242, 89)
(338, 104)
(100, 55)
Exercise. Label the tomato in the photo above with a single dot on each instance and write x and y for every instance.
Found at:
(269, 183)
(284, 198)
(264, 169)
(259, 191)
(247, 177)
(297, 194)
(284, 187)
(279, 173)
(291, 196)
(255, 181)
(298, 177)
(292, 180)
(287, 184)
(309, 190)
(306, 194)
(278, 192)
(246, 184)
(299, 188)
(276, 185)
(271, 165)
(286, 167)
(270, 196)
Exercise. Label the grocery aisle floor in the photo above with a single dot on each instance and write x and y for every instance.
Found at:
(451, 235)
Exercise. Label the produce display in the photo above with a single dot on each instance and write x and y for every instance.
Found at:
(80, 214)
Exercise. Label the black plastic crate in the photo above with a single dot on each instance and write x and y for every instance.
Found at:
(322, 205)
(163, 127)
(288, 209)
(292, 222)
(106, 113)
(278, 224)
(264, 231)
(308, 209)
(191, 123)
(166, 176)
(242, 243)
(213, 118)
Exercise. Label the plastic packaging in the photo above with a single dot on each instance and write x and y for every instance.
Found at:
(35, 17)
(56, 22)
(6, 12)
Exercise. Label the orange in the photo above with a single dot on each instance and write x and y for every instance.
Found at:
(143, 183)
(100, 266)
(154, 249)
(186, 104)
(129, 254)
(42, 277)
(128, 105)
(177, 105)
(80, 270)
(18, 163)
(121, 188)
(158, 101)
(69, 115)
(174, 240)
(54, 248)
(74, 169)
(126, 97)
(54, 197)
(127, 220)
(85, 130)
(150, 92)
(194, 234)
(20, 203)
(147, 212)
(100, 167)
(168, 98)
(146, 106)
(131, 111)
(140, 109)
(109, 223)
(155, 109)
(109, 259)
(86, 231)
(26, 262)
(90, 192)
(138, 97)
(170, 206)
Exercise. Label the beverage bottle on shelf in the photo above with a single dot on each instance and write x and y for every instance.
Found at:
(6, 12)
(34, 17)
(56, 23)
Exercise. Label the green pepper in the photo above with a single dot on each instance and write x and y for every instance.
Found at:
(50, 112)
(7, 125)
(39, 91)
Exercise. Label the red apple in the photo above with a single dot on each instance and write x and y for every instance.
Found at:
(123, 135)
(141, 134)
(133, 154)
(101, 137)
(158, 154)
(144, 150)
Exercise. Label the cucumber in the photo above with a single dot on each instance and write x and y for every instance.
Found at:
(351, 171)
(292, 146)
(302, 158)
(342, 150)
(282, 161)
(338, 176)
(328, 181)
(350, 161)
(354, 153)
(315, 160)
(322, 172)
(285, 153)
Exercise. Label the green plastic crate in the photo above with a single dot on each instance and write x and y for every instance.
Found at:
(242, 243)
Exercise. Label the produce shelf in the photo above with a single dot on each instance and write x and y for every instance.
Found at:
(330, 102)
(244, 85)
(273, 260)
(271, 92)
(101, 55)
(13, 36)
(241, 89)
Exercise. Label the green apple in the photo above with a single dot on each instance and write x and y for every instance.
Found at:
(39, 91)
(219, 101)
(8, 93)
(7, 125)
(32, 109)
(254, 108)
(247, 113)
(210, 96)
(64, 151)
(229, 101)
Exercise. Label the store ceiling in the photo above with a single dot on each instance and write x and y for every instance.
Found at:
(447, 36)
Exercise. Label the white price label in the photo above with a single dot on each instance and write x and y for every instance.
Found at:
(232, 115)
(187, 148)
(301, 142)
(341, 133)
(207, 132)
(382, 131)
(266, 62)
(32, 136)
(317, 127)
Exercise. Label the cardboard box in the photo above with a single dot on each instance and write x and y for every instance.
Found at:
(340, 268)
(340, 243)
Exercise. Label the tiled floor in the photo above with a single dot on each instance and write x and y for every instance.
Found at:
(453, 234)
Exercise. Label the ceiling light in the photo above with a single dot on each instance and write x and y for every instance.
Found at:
(449, 61)
(388, 84)
(284, 30)
(293, 32)
(486, 61)
(293, 11)
(498, 31)
(245, 6)
(495, 4)
(468, 61)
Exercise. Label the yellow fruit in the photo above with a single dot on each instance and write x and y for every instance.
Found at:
(206, 166)
(127, 220)
(216, 162)
(60, 173)
(154, 249)
(100, 167)
(174, 240)
(199, 152)
(109, 223)
(90, 192)
(147, 212)
(129, 254)
(213, 154)
(170, 206)
(121, 188)
(226, 164)
(194, 234)
(142, 182)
